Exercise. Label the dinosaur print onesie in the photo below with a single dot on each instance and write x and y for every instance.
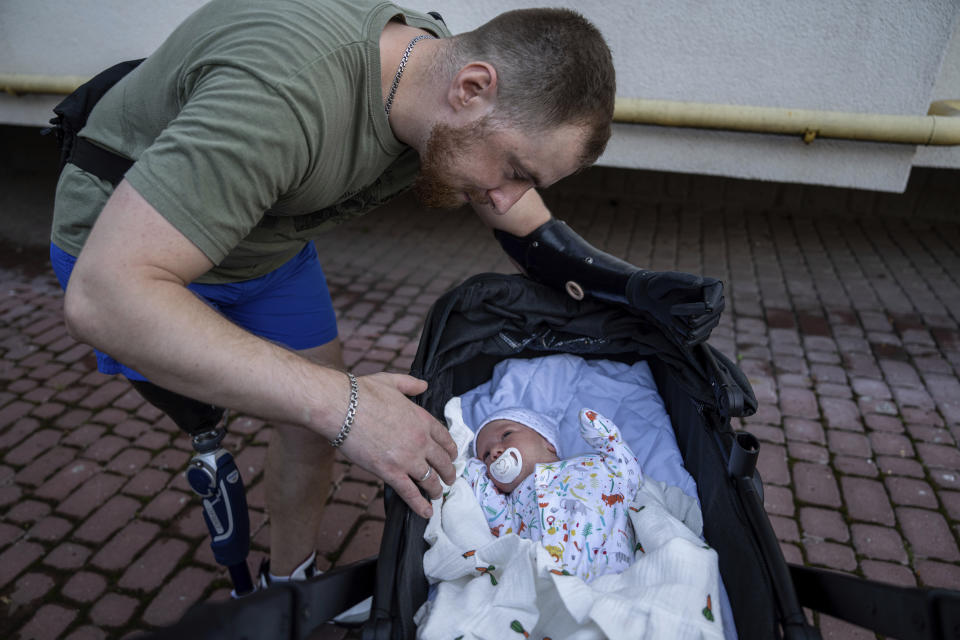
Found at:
(576, 508)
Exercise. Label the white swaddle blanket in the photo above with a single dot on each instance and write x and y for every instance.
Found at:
(489, 587)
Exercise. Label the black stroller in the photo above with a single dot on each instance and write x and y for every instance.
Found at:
(492, 317)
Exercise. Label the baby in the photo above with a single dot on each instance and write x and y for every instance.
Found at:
(577, 508)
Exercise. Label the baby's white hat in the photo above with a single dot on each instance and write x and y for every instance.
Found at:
(542, 424)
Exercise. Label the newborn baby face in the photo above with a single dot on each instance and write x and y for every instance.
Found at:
(500, 435)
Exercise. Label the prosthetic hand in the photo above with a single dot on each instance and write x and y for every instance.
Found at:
(686, 306)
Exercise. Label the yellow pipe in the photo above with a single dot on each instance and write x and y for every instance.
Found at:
(18, 83)
(940, 127)
(925, 130)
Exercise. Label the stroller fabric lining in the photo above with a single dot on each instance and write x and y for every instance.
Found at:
(560, 385)
(482, 583)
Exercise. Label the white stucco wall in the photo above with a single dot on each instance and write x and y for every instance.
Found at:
(875, 56)
(947, 87)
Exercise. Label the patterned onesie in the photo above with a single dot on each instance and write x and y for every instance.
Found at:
(577, 508)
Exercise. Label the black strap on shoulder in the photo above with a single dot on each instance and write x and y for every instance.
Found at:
(891, 611)
(71, 116)
(102, 163)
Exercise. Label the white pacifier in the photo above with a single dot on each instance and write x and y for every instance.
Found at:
(507, 467)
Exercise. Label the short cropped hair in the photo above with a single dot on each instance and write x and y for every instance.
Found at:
(553, 68)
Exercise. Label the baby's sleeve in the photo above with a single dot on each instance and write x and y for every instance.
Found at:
(493, 503)
(605, 437)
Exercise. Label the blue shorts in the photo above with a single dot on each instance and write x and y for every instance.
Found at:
(290, 305)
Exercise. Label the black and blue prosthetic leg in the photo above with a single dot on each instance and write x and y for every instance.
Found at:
(213, 475)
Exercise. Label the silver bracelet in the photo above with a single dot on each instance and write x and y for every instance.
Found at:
(351, 412)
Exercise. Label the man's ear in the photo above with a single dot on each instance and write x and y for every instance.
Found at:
(474, 87)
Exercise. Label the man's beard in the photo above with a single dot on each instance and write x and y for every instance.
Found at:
(434, 184)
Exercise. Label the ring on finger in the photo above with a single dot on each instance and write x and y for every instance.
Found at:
(427, 474)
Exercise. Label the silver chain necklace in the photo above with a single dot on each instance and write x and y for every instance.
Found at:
(403, 64)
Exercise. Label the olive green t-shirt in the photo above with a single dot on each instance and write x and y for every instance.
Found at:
(255, 126)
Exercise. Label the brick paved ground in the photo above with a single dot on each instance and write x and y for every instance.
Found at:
(844, 318)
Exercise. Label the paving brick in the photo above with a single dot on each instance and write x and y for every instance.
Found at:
(900, 466)
(913, 415)
(816, 484)
(13, 412)
(794, 380)
(888, 573)
(105, 448)
(67, 479)
(938, 575)
(928, 534)
(878, 422)
(46, 465)
(829, 374)
(150, 570)
(127, 543)
(50, 529)
(933, 435)
(27, 511)
(67, 556)
(84, 435)
(934, 455)
(171, 459)
(874, 405)
(824, 524)
(50, 621)
(946, 478)
(177, 595)
(879, 543)
(911, 492)
(867, 500)
(772, 463)
(105, 394)
(337, 521)
(113, 610)
(804, 430)
(87, 632)
(801, 403)
(808, 452)
(919, 398)
(847, 443)
(776, 500)
(84, 586)
(166, 505)
(891, 444)
(856, 466)
(834, 390)
(129, 461)
(841, 414)
(91, 494)
(147, 482)
(32, 447)
(8, 533)
(16, 558)
(363, 544)
(950, 499)
(830, 554)
(116, 513)
(30, 587)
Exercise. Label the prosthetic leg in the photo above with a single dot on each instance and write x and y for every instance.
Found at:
(688, 307)
(213, 475)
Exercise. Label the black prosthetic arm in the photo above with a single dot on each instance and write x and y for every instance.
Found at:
(688, 307)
